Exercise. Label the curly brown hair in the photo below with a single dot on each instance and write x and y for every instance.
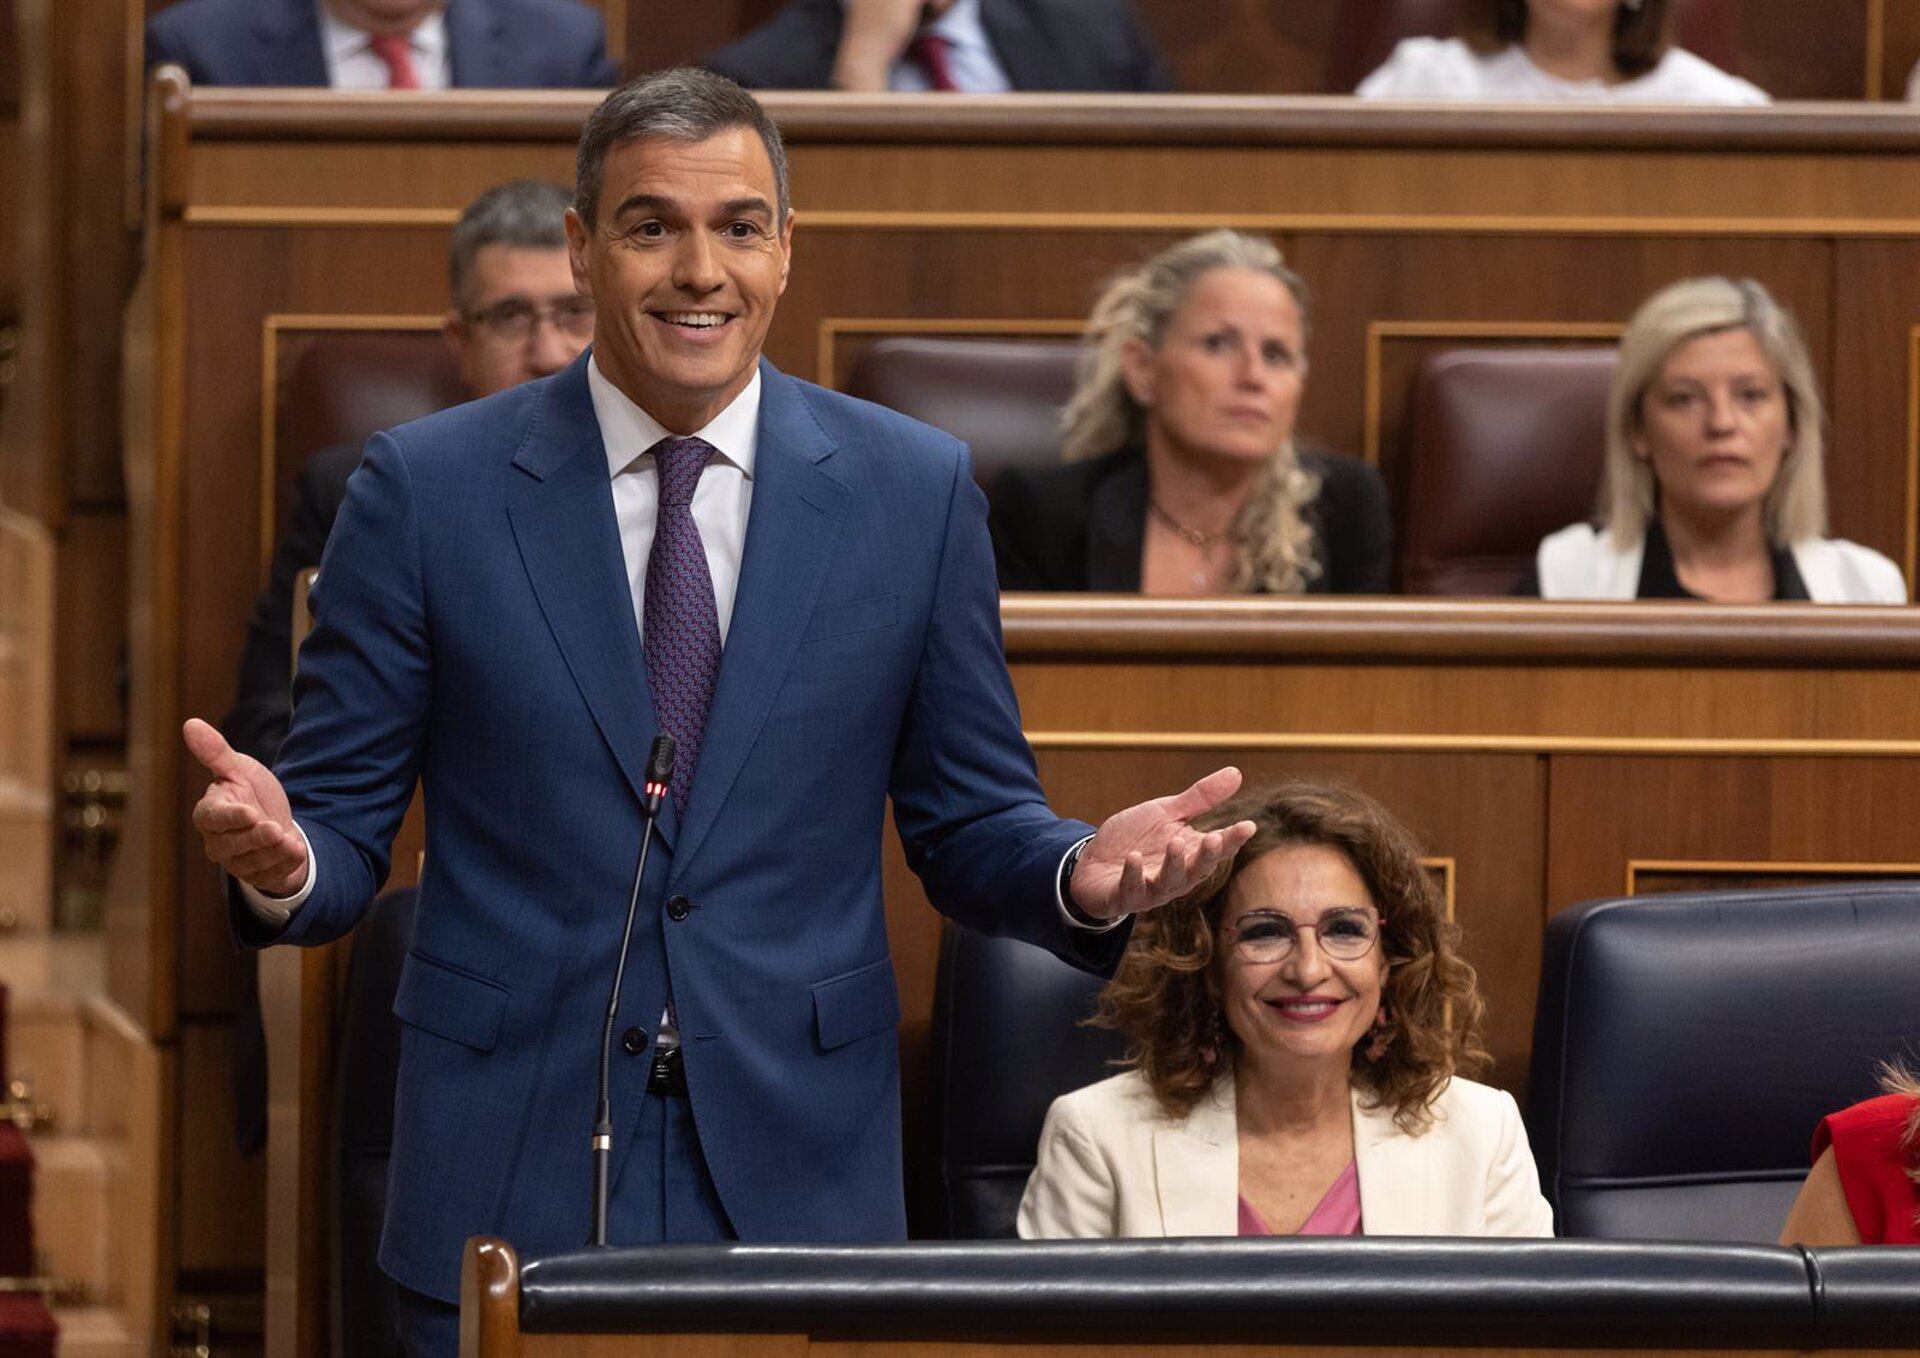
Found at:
(1165, 999)
(1639, 33)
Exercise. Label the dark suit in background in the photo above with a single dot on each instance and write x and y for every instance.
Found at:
(491, 44)
(1081, 525)
(257, 724)
(1084, 45)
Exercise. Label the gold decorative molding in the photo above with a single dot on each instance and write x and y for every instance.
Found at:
(270, 331)
(1467, 743)
(1446, 868)
(1876, 50)
(833, 327)
(1380, 332)
(1636, 867)
(1912, 525)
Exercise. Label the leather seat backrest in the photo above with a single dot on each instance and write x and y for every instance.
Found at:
(1002, 397)
(1686, 1046)
(1009, 1039)
(342, 387)
(1507, 447)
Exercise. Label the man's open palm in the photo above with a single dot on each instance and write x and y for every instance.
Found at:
(245, 823)
(1150, 854)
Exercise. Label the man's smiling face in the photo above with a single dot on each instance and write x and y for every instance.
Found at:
(685, 261)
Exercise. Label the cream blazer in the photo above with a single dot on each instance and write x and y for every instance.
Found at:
(1583, 562)
(1111, 1163)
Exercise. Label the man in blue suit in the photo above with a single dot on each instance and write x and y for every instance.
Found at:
(670, 535)
(385, 44)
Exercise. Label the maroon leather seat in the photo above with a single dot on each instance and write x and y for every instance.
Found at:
(340, 387)
(1003, 397)
(1368, 31)
(1507, 447)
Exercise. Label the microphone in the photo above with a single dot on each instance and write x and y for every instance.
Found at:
(653, 792)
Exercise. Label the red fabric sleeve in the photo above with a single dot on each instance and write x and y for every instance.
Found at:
(1873, 1168)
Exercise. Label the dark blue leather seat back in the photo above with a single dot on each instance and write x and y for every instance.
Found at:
(1686, 1046)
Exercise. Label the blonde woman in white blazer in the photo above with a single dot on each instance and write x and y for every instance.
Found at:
(1295, 1025)
(1713, 485)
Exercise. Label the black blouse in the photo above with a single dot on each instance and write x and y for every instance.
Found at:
(1659, 579)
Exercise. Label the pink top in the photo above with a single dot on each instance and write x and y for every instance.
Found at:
(1338, 1213)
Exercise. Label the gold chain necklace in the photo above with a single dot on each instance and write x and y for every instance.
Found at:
(1193, 537)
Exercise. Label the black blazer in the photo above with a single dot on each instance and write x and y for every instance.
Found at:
(491, 44)
(1084, 45)
(1081, 525)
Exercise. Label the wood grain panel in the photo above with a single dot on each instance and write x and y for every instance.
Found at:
(1873, 391)
(663, 33)
(93, 585)
(220, 1213)
(1610, 811)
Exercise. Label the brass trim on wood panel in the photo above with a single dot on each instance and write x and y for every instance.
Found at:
(1764, 868)
(270, 330)
(832, 327)
(1331, 223)
(1467, 743)
(1379, 332)
(1912, 525)
(1446, 867)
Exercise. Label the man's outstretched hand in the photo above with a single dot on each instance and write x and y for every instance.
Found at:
(245, 823)
(1149, 854)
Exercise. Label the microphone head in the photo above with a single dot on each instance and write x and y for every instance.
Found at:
(660, 759)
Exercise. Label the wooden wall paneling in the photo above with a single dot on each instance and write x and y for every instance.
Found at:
(1875, 392)
(1778, 50)
(1610, 811)
(663, 33)
(1246, 46)
(1897, 29)
(221, 1208)
(93, 585)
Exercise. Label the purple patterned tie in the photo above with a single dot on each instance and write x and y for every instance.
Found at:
(680, 623)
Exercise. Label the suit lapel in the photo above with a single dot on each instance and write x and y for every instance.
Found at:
(1019, 45)
(1395, 1183)
(476, 47)
(792, 532)
(287, 39)
(569, 541)
(1196, 1166)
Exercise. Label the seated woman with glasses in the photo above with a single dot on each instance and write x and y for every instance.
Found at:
(1712, 487)
(1296, 1027)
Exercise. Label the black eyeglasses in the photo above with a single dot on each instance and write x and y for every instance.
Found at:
(1346, 934)
(513, 321)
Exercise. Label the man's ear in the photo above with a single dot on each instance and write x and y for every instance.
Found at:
(786, 249)
(453, 329)
(1136, 370)
(579, 238)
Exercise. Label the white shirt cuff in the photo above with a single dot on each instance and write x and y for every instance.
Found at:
(1076, 921)
(277, 910)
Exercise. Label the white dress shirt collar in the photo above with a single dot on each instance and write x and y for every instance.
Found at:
(351, 63)
(630, 433)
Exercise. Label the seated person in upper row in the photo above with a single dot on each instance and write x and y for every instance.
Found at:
(1713, 486)
(386, 44)
(1864, 1188)
(1582, 51)
(1295, 1026)
(1181, 475)
(963, 46)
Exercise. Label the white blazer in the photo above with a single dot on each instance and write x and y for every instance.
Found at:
(1582, 562)
(1112, 1163)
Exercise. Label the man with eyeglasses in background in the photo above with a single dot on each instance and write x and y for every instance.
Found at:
(515, 316)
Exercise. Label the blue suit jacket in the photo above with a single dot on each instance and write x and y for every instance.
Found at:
(492, 44)
(474, 627)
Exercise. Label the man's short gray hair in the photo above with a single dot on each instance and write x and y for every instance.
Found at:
(686, 104)
(527, 214)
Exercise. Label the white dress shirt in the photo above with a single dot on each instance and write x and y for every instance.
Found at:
(970, 58)
(1448, 69)
(722, 501)
(351, 64)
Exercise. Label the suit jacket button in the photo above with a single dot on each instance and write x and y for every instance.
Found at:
(634, 1040)
(679, 907)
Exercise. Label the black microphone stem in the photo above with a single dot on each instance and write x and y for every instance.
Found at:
(659, 777)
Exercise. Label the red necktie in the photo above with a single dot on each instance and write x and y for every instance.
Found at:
(394, 51)
(930, 55)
